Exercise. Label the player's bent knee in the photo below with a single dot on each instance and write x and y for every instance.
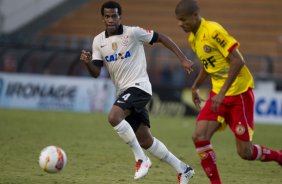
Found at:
(113, 119)
(199, 137)
(146, 143)
(245, 155)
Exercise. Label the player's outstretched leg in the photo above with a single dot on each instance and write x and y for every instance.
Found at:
(249, 151)
(143, 163)
(184, 171)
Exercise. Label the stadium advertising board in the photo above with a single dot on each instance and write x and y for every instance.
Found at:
(97, 95)
(175, 102)
(56, 93)
(268, 103)
(171, 101)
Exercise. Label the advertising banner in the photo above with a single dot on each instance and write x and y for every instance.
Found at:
(178, 102)
(56, 92)
(268, 103)
(84, 94)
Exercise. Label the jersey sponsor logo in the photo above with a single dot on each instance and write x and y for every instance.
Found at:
(209, 61)
(217, 37)
(118, 56)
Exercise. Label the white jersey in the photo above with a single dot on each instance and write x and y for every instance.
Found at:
(124, 57)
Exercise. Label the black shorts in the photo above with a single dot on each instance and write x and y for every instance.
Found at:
(135, 100)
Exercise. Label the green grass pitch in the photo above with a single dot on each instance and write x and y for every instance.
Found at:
(96, 155)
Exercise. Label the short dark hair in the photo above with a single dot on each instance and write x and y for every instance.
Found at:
(111, 5)
(187, 6)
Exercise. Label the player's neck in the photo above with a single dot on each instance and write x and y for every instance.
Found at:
(197, 25)
(118, 31)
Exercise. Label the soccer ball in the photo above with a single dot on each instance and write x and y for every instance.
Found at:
(52, 159)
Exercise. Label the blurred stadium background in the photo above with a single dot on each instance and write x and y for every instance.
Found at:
(46, 37)
(40, 45)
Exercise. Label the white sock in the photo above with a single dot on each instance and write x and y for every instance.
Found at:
(159, 150)
(127, 134)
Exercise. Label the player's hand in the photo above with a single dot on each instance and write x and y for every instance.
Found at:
(187, 65)
(85, 56)
(196, 98)
(216, 102)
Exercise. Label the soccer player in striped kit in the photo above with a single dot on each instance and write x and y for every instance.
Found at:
(231, 100)
(120, 49)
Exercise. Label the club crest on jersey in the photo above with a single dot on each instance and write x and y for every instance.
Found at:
(118, 56)
(207, 49)
(114, 46)
(219, 39)
(240, 129)
(125, 40)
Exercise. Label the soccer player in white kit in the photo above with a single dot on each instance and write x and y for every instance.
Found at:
(120, 49)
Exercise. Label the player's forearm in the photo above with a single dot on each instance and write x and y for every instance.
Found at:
(236, 64)
(235, 69)
(168, 43)
(93, 70)
(200, 79)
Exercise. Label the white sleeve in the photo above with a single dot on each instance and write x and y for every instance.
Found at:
(96, 54)
(143, 35)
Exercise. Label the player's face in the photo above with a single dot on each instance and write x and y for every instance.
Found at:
(189, 23)
(112, 20)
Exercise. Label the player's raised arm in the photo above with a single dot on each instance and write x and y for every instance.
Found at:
(86, 58)
(171, 45)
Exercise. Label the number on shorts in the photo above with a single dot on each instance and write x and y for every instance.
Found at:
(126, 96)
